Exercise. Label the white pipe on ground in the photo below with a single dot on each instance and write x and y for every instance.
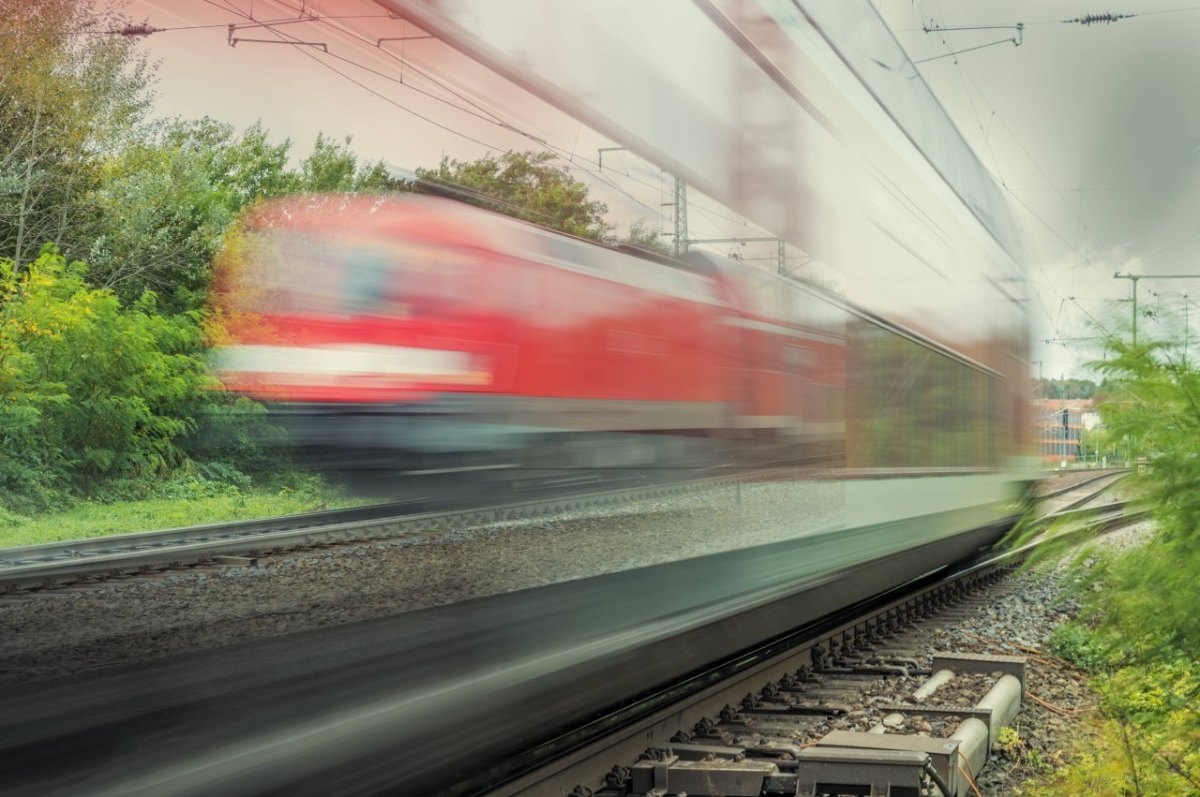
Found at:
(935, 682)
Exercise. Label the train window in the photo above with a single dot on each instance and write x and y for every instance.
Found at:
(913, 405)
(295, 273)
(366, 279)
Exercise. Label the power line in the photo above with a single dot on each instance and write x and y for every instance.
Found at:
(377, 45)
(490, 117)
(1090, 316)
(1016, 40)
(962, 77)
(1050, 182)
(368, 89)
(1095, 18)
(495, 120)
(571, 157)
(286, 38)
(283, 37)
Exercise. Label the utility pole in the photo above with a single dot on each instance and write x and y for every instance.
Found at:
(682, 242)
(781, 246)
(1133, 278)
(680, 237)
(600, 153)
(681, 232)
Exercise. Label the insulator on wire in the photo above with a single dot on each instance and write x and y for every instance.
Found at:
(141, 29)
(1092, 19)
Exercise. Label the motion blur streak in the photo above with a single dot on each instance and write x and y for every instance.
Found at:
(438, 346)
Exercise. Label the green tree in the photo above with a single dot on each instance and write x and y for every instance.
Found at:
(165, 206)
(167, 200)
(645, 237)
(170, 196)
(251, 168)
(93, 391)
(1155, 400)
(525, 185)
(1140, 629)
(332, 166)
(68, 94)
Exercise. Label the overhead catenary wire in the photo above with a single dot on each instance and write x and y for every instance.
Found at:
(491, 117)
(368, 89)
(404, 62)
(1078, 20)
(962, 76)
(480, 112)
(1074, 207)
(484, 115)
(286, 38)
(996, 115)
(568, 154)
(562, 152)
(1081, 225)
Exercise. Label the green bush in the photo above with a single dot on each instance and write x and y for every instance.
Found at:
(1079, 646)
(104, 400)
(1139, 630)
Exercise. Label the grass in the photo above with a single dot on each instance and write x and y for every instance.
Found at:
(99, 519)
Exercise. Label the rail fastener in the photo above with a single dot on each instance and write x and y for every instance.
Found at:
(964, 751)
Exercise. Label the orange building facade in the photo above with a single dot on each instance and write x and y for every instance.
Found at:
(1058, 428)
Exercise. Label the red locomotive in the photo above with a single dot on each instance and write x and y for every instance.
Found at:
(425, 335)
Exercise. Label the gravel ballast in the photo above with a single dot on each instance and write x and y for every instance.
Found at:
(1057, 695)
(137, 619)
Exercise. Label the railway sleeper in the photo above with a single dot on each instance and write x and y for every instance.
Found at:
(738, 776)
(746, 751)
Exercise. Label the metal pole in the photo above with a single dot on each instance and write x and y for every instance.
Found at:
(681, 225)
(1134, 279)
(1135, 282)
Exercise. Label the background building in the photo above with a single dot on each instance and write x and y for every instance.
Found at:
(1059, 428)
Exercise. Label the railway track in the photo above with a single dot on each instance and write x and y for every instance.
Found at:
(854, 704)
(33, 568)
(422, 707)
(52, 566)
(1079, 493)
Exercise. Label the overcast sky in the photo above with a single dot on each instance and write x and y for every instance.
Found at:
(1093, 130)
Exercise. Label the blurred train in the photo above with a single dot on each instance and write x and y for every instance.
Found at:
(423, 335)
(418, 335)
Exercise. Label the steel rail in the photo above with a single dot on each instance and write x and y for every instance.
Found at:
(1071, 487)
(60, 563)
(100, 546)
(1079, 502)
(558, 765)
(56, 564)
(585, 752)
(270, 673)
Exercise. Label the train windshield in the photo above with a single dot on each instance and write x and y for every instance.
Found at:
(285, 272)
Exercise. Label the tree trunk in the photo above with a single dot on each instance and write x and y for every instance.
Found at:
(23, 211)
